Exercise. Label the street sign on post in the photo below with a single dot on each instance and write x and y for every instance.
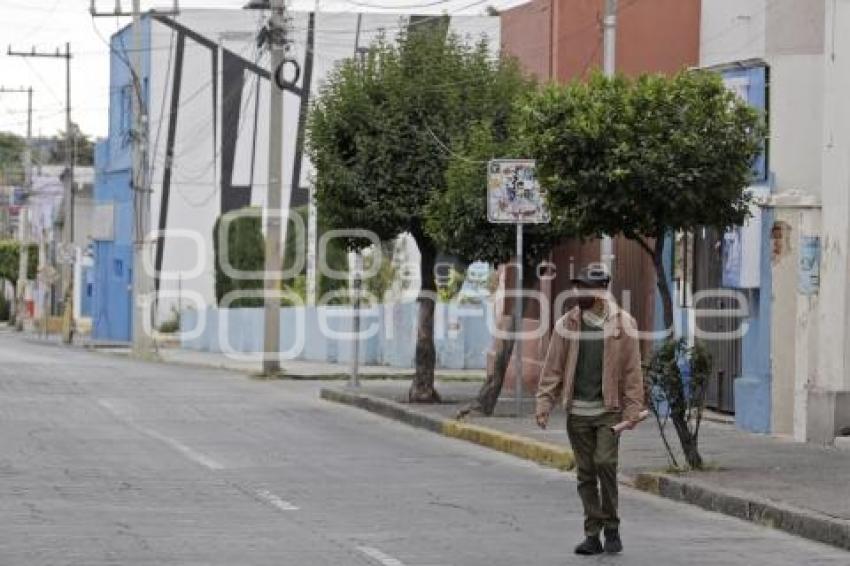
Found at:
(514, 196)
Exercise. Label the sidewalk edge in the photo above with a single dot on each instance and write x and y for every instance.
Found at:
(541, 453)
(794, 520)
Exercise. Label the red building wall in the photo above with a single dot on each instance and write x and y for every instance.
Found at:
(563, 38)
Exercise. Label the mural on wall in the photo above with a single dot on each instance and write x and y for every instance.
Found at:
(228, 104)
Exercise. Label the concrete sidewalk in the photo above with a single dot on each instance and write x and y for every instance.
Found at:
(293, 369)
(299, 369)
(799, 488)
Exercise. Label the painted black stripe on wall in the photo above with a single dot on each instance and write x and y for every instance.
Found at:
(233, 85)
(299, 195)
(169, 155)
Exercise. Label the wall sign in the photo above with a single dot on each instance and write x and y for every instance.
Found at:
(809, 269)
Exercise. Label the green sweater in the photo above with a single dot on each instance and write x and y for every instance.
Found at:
(588, 380)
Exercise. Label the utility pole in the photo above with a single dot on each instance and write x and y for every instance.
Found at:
(143, 286)
(609, 45)
(23, 255)
(275, 35)
(68, 178)
(354, 379)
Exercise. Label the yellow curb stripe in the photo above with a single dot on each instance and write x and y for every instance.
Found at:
(540, 452)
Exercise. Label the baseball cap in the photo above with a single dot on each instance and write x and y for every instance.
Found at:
(593, 275)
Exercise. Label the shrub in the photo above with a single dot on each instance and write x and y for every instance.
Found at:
(676, 379)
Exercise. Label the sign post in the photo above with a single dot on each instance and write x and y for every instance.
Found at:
(514, 196)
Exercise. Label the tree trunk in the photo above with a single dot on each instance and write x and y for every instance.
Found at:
(488, 395)
(422, 389)
(687, 440)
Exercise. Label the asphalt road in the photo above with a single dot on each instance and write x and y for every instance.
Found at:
(104, 460)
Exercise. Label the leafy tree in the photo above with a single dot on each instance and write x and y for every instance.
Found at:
(246, 252)
(10, 260)
(10, 268)
(11, 154)
(83, 147)
(379, 134)
(457, 219)
(672, 396)
(644, 158)
(336, 258)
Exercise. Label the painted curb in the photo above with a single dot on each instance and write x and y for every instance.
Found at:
(793, 520)
(543, 453)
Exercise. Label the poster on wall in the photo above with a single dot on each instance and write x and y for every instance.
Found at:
(514, 195)
(809, 268)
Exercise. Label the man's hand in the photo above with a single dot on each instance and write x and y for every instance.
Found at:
(543, 419)
(630, 424)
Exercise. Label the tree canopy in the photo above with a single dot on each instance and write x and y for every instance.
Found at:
(644, 157)
(11, 161)
(457, 216)
(381, 129)
(10, 260)
(245, 252)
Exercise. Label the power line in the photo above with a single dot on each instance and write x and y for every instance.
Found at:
(447, 150)
(405, 7)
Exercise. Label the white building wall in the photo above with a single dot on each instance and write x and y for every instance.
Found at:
(732, 30)
(789, 36)
(195, 195)
(834, 314)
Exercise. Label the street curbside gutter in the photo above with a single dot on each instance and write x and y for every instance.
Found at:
(545, 454)
(742, 505)
(746, 506)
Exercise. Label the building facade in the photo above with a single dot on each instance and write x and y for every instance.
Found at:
(794, 380)
(206, 87)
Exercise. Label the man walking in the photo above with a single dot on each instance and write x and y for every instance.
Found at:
(593, 369)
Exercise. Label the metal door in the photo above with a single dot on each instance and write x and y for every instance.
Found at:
(726, 352)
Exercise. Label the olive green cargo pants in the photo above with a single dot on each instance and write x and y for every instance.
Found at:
(595, 448)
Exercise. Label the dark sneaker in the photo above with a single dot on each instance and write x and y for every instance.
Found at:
(591, 545)
(613, 544)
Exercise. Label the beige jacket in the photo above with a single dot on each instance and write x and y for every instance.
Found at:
(622, 377)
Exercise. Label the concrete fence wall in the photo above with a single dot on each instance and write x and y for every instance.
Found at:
(324, 334)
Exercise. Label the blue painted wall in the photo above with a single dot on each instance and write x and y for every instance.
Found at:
(462, 336)
(753, 389)
(87, 292)
(111, 300)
